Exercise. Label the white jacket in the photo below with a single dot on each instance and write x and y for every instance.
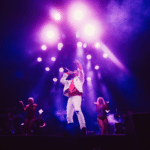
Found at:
(78, 82)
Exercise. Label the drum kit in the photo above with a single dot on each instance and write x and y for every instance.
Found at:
(10, 121)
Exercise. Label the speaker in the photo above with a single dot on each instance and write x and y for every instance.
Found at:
(138, 130)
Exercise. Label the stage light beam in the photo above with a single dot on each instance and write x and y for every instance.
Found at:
(105, 55)
(61, 69)
(53, 59)
(49, 34)
(78, 15)
(88, 78)
(96, 67)
(79, 44)
(89, 30)
(60, 46)
(47, 69)
(43, 47)
(39, 59)
(55, 79)
(97, 45)
(88, 57)
(55, 14)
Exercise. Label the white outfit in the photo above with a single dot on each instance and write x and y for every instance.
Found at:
(74, 102)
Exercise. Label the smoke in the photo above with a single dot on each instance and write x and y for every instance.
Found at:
(127, 18)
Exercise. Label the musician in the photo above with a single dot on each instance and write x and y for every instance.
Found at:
(101, 108)
(39, 124)
(73, 89)
(30, 116)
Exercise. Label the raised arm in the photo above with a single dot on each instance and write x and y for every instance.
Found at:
(80, 69)
(44, 124)
(64, 77)
(96, 106)
(23, 107)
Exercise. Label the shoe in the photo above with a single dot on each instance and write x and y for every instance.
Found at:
(83, 131)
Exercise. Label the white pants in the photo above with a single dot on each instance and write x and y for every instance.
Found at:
(74, 105)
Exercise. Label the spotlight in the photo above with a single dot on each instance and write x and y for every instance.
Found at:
(84, 45)
(49, 34)
(55, 79)
(47, 69)
(105, 55)
(60, 46)
(55, 14)
(89, 30)
(61, 69)
(44, 47)
(97, 45)
(88, 78)
(78, 14)
(88, 56)
(79, 44)
(96, 67)
(53, 59)
(39, 59)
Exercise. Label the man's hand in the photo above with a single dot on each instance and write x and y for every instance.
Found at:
(68, 71)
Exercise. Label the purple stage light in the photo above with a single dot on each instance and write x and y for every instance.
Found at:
(89, 30)
(53, 59)
(84, 45)
(55, 14)
(88, 56)
(105, 55)
(61, 69)
(88, 78)
(79, 44)
(97, 45)
(96, 67)
(60, 46)
(39, 59)
(112, 57)
(47, 69)
(55, 79)
(49, 34)
(78, 14)
(44, 47)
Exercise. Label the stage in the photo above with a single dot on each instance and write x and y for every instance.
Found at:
(136, 137)
(89, 142)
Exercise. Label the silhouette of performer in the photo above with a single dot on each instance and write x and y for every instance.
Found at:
(73, 88)
(101, 108)
(38, 125)
(30, 116)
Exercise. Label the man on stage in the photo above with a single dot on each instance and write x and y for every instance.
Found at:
(73, 88)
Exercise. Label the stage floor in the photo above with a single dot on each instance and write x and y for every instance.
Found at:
(51, 142)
